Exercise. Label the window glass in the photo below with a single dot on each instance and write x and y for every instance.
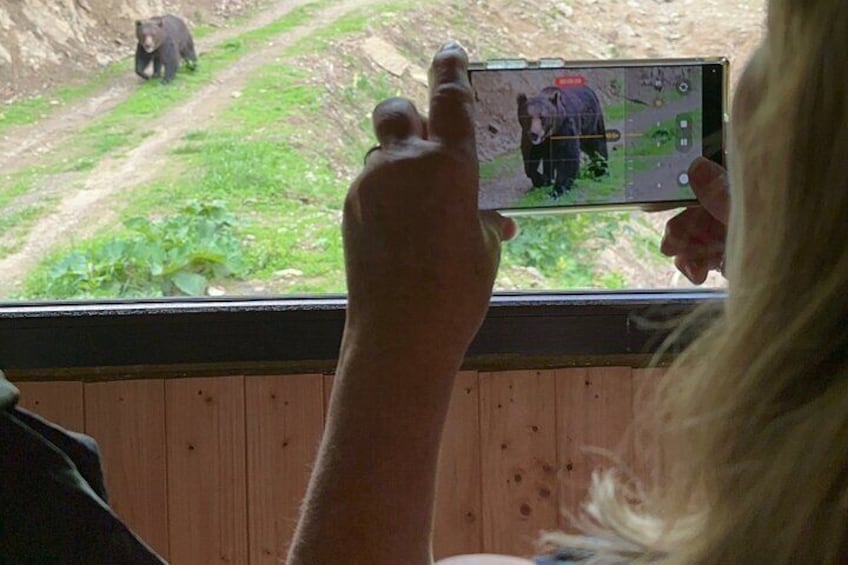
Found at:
(229, 180)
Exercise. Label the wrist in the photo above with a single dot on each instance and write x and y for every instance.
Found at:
(434, 349)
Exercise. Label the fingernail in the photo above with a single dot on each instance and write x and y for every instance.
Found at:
(703, 171)
(450, 45)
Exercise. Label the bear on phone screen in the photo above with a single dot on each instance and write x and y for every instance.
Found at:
(163, 40)
(556, 126)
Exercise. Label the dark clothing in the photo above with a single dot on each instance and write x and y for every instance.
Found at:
(563, 557)
(52, 497)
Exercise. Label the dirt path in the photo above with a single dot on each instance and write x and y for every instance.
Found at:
(83, 211)
(24, 146)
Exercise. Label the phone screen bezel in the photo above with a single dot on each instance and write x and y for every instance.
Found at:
(713, 105)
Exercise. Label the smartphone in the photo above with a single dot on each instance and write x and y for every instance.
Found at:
(555, 136)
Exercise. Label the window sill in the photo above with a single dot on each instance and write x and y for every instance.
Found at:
(96, 341)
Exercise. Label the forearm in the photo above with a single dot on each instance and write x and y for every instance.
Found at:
(370, 500)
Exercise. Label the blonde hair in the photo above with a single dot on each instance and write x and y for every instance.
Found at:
(753, 417)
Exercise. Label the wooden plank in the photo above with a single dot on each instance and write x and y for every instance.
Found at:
(207, 498)
(646, 455)
(61, 402)
(127, 418)
(285, 420)
(517, 424)
(458, 514)
(594, 410)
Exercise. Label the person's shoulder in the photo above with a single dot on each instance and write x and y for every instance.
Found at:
(484, 559)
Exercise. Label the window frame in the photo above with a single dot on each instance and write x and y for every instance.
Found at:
(107, 340)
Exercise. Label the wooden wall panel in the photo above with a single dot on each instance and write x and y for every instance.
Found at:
(646, 454)
(458, 515)
(61, 402)
(233, 459)
(518, 434)
(127, 418)
(207, 500)
(594, 410)
(285, 420)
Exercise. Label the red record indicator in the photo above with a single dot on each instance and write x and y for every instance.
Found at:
(570, 81)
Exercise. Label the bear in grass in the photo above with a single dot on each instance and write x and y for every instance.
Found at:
(163, 40)
(556, 125)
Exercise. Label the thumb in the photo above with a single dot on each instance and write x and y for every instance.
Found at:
(711, 186)
(504, 227)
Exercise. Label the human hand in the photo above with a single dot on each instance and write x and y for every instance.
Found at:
(696, 236)
(420, 257)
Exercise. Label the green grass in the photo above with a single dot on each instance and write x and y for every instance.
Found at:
(39, 107)
(276, 94)
(659, 139)
(586, 189)
(355, 22)
(257, 159)
(564, 248)
(615, 113)
(11, 221)
(287, 203)
(14, 226)
(646, 239)
(174, 255)
(610, 281)
(26, 111)
(15, 185)
(288, 197)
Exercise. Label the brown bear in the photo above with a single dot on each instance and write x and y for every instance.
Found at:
(556, 126)
(163, 39)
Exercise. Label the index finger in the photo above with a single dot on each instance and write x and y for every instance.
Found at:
(451, 102)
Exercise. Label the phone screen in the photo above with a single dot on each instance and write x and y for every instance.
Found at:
(571, 137)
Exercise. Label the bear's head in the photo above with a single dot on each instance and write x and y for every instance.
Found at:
(539, 115)
(150, 34)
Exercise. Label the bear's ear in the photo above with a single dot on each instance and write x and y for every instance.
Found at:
(521, 99)
(160, 23)
(555, 97)
(138, 23)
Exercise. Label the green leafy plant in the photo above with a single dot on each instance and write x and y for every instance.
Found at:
(563, 248)
(174, 255)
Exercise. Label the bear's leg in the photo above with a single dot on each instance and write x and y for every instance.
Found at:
(566, 166)
(533, 157)
(189, 54)
(142, 59)
(599, 166)
(596, 146)
(541, 155)
(170, 59)
(548, 162)
(596, 150)
(157, 67)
